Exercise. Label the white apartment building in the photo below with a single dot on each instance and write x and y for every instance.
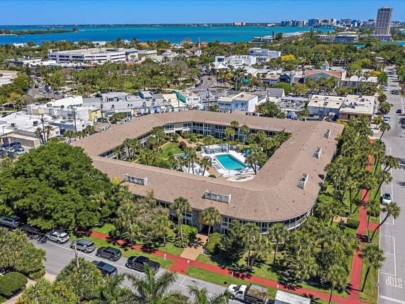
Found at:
(236, 60)
(93, 56)
(355, 106)
(264, 54)
(240, 102)
(321, 105)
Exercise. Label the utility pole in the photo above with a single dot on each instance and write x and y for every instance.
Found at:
(74, 119)
(76, 257)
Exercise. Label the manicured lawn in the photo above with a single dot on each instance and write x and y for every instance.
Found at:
(104, 229)
(170, 148)
(264, 269)
(170, 248)
(370, 293)
(220, 279)
(127, 252)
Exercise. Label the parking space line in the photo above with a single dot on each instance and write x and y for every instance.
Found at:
(392, 300)
(392, 254)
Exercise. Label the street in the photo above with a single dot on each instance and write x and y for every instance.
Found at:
(392, 241)
(58, 256)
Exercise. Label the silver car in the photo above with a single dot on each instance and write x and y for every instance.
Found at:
(83, 245)
(58, 236)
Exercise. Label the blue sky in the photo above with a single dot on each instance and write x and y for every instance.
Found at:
(27, 12)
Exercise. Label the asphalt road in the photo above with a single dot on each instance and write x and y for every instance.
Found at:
(392, 241)
(58, 256)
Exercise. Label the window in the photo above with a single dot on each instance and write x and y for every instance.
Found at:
(217, 197)
(136, 180)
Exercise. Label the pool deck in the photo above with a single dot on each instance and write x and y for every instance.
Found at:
(225, 172)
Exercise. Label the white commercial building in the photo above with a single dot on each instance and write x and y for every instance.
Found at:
(240, 102)
(235, 61)
(283, 297)
(264, 54)
(93, 56)
(321, 105)
(355, 106)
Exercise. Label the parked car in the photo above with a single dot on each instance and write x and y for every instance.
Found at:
(386, 198)
(83, 245)
(12, 222)
(58, 236)
(139, 262)
(109, 253)
(31, 231)
(399, 111)
(251, 294)
(106, 269)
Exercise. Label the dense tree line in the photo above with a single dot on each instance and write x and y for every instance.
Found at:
(57, 186)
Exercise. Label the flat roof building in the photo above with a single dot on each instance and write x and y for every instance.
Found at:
(284, 191)
(93, 56)
(383, 21)
(355, 106)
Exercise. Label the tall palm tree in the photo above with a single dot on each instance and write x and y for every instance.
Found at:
(69, 134)
(373, 209)
(245, 130)
(153, 289)
(200, 296)
(235, 125)
(391, 209)
(209, 140)
(384, 127)
(390, 162)
(205, 163)
(385, 177)
(163, 224)
(278, 233)
(112, 292)
(181, 206)
(229, 134)
(211, 216)
(337, 278)
(373, 257)
(250, 237)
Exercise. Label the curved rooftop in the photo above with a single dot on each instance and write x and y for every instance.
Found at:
(275, 194)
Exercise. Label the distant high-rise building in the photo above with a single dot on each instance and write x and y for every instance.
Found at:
(383, 22)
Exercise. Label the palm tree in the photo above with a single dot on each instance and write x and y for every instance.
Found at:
(69, 134)
(373, 209)
(373, 257)
(163, 224)
(209, 140)
(250, 237)
(200, 296)
(384, 127)
(352, 185)
(211, 216)
(111, 291)
(229, 134)
(278, 233)
(152, 289)
(205, 163)
(235, 125)
(390, 162)
(385, 177)
(245, 130)
(336, 276)
(181, 206)
(391, 209)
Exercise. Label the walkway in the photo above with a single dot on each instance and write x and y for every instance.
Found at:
(192, 252)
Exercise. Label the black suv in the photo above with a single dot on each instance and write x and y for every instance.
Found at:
(139, 262)
(109, 253)
(10, 222)
(31, 231)
(106, 269)
(83, 245)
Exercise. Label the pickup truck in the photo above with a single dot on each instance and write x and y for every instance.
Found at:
(251, 294)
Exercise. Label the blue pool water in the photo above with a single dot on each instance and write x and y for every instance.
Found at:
(229, 162)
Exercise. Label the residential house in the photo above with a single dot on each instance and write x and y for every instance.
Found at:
(325, 106)
(241, 102)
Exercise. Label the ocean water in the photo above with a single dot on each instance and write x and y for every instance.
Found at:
(173, 34)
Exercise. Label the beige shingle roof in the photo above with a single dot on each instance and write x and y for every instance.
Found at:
(273, 195)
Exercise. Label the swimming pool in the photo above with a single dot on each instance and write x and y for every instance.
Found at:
(229, 162)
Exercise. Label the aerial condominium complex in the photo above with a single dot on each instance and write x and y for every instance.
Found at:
(284, 190)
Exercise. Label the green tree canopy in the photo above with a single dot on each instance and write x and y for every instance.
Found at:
(55, 186)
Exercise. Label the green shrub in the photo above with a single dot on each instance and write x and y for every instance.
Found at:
(212, 175)
(193, 138)
(211, 247)
(11, 283)
(352, 223)
(189, 236)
